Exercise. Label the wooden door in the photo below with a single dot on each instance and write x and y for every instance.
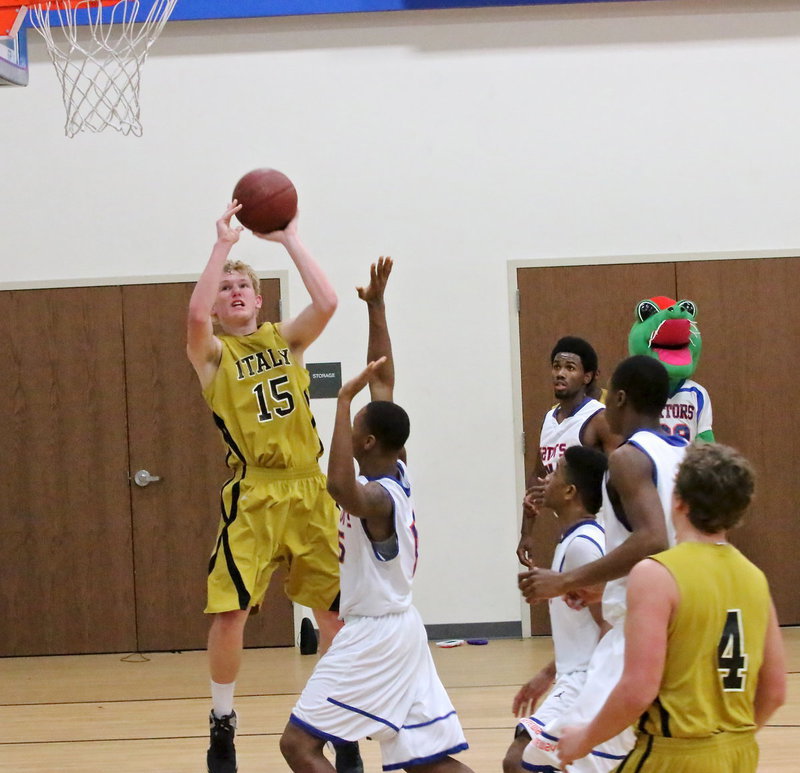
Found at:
(748, 314)
(749, 323)
(66, 565)
(172, 435)
(97, 386)
(595, 303)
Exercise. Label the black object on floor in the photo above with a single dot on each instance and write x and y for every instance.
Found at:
(308, 638)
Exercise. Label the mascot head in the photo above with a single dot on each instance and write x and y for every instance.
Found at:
(666, 330)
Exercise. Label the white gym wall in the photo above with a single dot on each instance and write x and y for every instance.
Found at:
(455, 141)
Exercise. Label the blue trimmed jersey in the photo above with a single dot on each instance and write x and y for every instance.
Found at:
(372, 585)
(575, 632)
(687, 412)
(665, 453)
(559, 433)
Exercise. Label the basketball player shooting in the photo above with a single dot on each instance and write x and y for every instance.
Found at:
(254, 381)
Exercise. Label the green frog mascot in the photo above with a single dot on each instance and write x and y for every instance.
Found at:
(666, 329)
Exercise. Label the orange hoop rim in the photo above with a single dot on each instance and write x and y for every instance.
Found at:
(12, 12)
(17, 5)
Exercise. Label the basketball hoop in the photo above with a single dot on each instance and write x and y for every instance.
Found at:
(98, 58)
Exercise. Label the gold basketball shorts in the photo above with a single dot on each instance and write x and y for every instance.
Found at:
(272, 518)
(721, 753)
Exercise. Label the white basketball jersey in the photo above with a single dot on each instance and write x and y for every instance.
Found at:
(372, 586)
(556, 437)
(665, 452)
(688, 412)
(575, 632)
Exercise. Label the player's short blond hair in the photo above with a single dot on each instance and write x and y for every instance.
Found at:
(717, 483)
(243, 268)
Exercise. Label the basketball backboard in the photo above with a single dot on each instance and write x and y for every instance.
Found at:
(14, 59)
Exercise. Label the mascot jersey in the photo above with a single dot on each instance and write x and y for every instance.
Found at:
(687, 412)
(666, 330)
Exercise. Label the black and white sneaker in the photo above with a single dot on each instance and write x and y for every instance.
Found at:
(221, 756)
(348, 758)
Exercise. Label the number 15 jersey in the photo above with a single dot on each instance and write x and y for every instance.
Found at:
(259, 397)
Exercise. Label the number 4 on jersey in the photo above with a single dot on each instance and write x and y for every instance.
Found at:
(732, 661)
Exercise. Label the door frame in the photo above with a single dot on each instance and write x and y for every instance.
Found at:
(144, 279)
(516, 366)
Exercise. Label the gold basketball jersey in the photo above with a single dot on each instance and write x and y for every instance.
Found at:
(260, 402)
(715, 643)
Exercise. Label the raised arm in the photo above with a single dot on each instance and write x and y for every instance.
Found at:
(365, 501)
(631, 473)
(381, 385)
(202, 346)
(301, 331)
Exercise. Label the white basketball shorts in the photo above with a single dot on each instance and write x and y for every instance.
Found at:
(378, 679)
(605, 669)
(561, 696)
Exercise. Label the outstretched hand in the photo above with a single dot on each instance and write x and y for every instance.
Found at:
(282, 235)
(225, 231)
(378, 277)
(349, 390)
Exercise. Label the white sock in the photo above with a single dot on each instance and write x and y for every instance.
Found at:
(222, 698)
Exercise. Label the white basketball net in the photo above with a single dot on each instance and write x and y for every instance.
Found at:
(98, 65)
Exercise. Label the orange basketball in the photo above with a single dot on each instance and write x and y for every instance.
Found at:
(268, 199)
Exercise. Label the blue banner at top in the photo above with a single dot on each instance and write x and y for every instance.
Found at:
(229, 9)
(245, 9)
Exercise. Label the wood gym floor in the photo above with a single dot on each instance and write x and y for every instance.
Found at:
(148, 714)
